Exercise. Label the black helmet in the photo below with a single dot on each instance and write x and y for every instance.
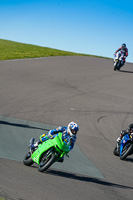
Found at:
(130, 127)
(123, 46)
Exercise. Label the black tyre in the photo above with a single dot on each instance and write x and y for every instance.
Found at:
(115, 66)
(46, 162)
(127, 150)
(116, 153)
(119, 66)
(27, 159)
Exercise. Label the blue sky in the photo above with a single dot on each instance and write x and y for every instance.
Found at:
(81, 26)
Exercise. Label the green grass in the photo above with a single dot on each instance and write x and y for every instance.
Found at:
(13, 50)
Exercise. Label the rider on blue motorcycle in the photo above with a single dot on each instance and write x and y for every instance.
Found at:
(124, 132)
(69, 135)
(123, 49)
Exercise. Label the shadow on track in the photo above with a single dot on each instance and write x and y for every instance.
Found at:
(128, 160)
(86, 179)
(130, 72)
(21, 125)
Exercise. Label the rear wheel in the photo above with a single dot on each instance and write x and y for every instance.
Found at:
(127, 150)
(27, 159)
(46, 161)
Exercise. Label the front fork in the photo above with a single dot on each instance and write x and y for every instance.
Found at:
(118, 147)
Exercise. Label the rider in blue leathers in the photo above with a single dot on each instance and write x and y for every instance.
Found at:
(129, 131)
(69, 135)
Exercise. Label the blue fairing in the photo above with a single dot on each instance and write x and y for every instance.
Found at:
(124, 140)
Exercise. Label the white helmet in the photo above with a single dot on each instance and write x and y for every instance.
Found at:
(72, 128)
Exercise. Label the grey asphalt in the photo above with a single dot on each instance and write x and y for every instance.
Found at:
(39, 94)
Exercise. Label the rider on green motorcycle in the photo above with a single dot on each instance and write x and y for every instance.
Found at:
(69, 135)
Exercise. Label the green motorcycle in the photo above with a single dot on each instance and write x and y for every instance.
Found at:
(47, 153)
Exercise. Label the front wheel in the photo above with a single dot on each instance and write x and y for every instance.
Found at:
(116, 153)
(119, 65)
(46, 161)
(127, 150)
(115, 66)
(27, 159)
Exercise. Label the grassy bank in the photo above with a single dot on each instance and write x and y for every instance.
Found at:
(13, 50)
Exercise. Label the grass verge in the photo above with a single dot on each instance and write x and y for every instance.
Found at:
(14, 50)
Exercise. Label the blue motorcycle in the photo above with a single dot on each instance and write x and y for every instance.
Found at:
(125, 147)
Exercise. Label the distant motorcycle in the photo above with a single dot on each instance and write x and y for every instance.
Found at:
(125, 147)
(47, 153)
(118, 60)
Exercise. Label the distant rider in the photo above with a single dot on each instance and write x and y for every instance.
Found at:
(129, 131)
(69, 136)
(123, 49)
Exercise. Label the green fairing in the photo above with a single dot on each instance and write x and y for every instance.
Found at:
(51, 143)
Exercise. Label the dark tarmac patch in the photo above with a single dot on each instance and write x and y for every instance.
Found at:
(15, 135)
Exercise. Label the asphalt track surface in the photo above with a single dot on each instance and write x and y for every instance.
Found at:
(39, 94)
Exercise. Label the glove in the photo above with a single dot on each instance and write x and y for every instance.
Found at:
(132, 134)
(50, 136)
(118, 139)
